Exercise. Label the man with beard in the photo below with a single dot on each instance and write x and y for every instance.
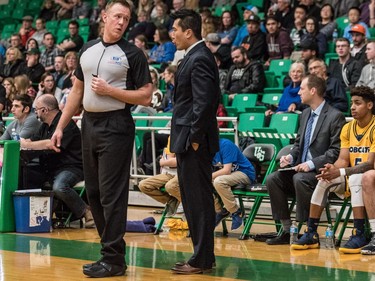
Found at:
(358, 50)
(244, 76)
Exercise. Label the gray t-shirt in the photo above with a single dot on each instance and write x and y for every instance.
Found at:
(25, 129)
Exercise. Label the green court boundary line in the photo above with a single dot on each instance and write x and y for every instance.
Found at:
(227, 267)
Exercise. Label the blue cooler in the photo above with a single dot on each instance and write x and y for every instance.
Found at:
(33, 211)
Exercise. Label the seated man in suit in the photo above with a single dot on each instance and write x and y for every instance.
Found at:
(25, 123)
(317, 143)
(232, 168)
(62, 169)
(357, 155)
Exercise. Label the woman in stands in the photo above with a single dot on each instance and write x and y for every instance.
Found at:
(47, 85)
(12, 65)
(23, 86)
(71, 62)
(328, 24)
(164, 49)
(227, 29)
(290, 101)
(313, 33)
(11, 92)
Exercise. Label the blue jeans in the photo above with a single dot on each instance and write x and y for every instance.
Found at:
(62, 186)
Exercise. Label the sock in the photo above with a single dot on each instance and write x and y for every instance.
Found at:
(359, 224)
(372, 225)
(313, 224)
(286, 224)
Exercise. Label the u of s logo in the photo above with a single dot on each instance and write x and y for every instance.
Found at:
(259, 153)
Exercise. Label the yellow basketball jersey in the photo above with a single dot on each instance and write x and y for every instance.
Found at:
(359, 141)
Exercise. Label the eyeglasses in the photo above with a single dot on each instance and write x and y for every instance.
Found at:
(40, 108)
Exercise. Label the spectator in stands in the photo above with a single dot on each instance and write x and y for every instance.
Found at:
(40, 26)
(143, 26)
(290, 100)
(15, 41)
(62, 169)
(368, 12)
(47, 57)
(96, 14)
(164, 49)
(298, 30)
(255, 43)
(70, 62)
(312, 149)
(345, 69)
(168, 76)
(227, 30)
(145, 6)
(177, 5)
(213, 43)
(31, 44)
(312, 8)
(243, 32)
(357, 155)
(244, 76)
(367, 77)
(23, 86)
(335, 92)
(25, 123)
(358, 50)
(13, 63)
(26, 30)
(328, 24)
(47, 12)
(284, 13)
(64, 10)
(309, 51)
(81, 9)
(231, 168)
(141, 42)
(32, 67)
(73, 41)
(280, 46)
(313, 34)
(353, 14)
(167, 178)
(59, 66)
(161, 16)
(47, 85)
(343, 6)
(222, 72)
(10, 93)
(65, 93)
(208, 26)
(157, 95)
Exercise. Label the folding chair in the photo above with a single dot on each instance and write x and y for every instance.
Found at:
(80, 188)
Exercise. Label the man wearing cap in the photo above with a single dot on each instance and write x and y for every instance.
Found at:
(255, 43)
(248, 11)
(31, 67)
(354, 15)
(309, 50)
(358, 50)
(26, 30)
(213, 43)
(368, 71)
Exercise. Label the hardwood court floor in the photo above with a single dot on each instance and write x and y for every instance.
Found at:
(59, 256)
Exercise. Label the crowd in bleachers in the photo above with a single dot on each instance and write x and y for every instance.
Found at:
(263, 50)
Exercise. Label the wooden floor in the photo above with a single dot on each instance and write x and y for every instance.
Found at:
(60, 255)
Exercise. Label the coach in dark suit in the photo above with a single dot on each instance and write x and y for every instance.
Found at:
(194, 136)
(317, 143)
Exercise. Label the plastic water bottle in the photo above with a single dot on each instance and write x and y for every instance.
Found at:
(15, 136)
(335, 35)
(293, 232)
(330, 243)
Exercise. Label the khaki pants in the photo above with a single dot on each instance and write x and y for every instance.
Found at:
(151, 187)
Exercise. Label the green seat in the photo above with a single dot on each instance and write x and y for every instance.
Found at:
(271, 80)
(18, 13)
(64, 23)
(271, 98)
(280, 67)
(248, 121)
(331, 47)
(52, 25)
(240, 103)
(83, 22)
(342, 22)
(372, 31)
(9, 28)
(83, 30)
(221, 9)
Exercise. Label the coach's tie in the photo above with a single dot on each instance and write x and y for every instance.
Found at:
(307, 136)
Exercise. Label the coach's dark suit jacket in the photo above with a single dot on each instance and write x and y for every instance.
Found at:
(324, 148)
(325, 142)
(196, 98)
(195, 79)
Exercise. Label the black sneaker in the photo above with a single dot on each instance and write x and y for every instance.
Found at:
(282, 239)
(221, 216)
(369, 249)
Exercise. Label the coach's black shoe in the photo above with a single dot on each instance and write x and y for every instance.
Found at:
(103, 269)
(283, 238)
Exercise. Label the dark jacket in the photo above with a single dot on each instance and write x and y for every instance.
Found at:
(256, 46)
(11, 69)
(253, 79)
(352, 70)
(335, 94)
